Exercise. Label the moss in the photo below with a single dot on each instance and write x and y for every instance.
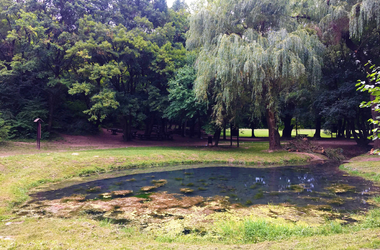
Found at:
(159, 183)
(320, 207)
(297, 188)
(178, 179)
(186, 190)
(143, 195)
(94, 189)
(148, 188)
(190, 184)
(259, 195)
(133, 179)
(340, 188)
(77, 197)
(312, 198)
(248, 202)
(105, 196)
(336, 201)
(121, 193)
(202, 189)
(274, 193)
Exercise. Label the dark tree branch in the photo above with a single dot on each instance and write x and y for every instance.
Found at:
(301, 17)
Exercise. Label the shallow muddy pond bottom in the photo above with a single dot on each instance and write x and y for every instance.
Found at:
(322, 185)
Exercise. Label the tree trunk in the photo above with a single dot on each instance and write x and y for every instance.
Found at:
(217, 136)
(318, 125)
(348, 130)
(192, 128)
(199, 125)
(149, 125)
(231, 129)
(184, 128)
(224, 132)
(51, 111)
(374, 114)
(339, 130)
(238, 137)
(287, 132)
(274, 136)
(253, 129)
(163, 126)
(127, 133)
(363, 58)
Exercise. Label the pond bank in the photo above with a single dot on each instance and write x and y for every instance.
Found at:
(21, 173)
(197, 230)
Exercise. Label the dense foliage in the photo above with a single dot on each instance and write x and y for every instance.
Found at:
(246, 57)
(67, 61)
(79, 65)
(374, 89)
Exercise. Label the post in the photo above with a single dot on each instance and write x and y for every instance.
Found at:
(231, 132)
(38, 121)
(238, 137)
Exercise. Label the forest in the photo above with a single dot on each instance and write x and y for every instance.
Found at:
(137, 64)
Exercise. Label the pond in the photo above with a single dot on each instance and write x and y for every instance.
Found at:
(318, 184)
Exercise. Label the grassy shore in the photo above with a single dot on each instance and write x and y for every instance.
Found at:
(246, 228)
(366, 166)
(20, 173)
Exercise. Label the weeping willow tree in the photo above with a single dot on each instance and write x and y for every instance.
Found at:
(250, 51)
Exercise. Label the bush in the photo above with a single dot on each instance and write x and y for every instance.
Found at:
(3, 129)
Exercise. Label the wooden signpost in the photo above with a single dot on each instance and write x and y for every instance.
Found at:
(38, 121)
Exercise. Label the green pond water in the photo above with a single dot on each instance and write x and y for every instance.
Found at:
(318, 184)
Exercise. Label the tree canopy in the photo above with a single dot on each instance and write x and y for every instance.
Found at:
(80, 65)
(251, 51)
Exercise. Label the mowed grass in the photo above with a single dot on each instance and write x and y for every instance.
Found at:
(366, 166)
(20, 173)
(244, 132)
(246, 233)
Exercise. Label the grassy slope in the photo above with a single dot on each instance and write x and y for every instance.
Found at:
(82, 233)
(21, 172)
(366, 166)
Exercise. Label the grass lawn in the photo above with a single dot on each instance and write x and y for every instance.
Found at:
(244, 132)
(246, 228)
(366, 166)
(20, 173)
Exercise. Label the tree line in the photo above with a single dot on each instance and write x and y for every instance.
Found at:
(132, 64)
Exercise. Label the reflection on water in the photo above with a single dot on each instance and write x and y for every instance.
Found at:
(300, 185)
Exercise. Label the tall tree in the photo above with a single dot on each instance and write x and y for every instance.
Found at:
(179, 5)
(122, 69)
(354, 23)
(374, 89)
(252, 49)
